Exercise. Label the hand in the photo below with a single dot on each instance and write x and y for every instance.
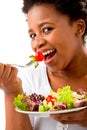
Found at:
(79, 118)
(9, 81)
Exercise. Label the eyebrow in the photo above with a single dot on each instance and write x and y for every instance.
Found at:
(40, 25)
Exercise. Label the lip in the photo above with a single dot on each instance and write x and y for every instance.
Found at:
(49, 61)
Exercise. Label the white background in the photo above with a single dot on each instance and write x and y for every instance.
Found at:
(14, 40)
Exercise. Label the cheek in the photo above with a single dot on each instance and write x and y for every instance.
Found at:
(52, 39)
(66, 51)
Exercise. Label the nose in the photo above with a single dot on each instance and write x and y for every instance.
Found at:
(41, 42)
(38, 43)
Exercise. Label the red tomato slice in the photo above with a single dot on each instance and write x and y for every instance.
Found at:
(39, 56)
(49, 97)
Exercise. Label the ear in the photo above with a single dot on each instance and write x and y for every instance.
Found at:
(80, 27)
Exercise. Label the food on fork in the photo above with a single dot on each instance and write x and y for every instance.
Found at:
(63, 99)
(38, 57)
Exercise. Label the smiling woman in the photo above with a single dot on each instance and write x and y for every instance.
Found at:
(60, 38)
(13, 37)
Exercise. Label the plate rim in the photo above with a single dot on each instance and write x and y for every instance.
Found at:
(36, 113)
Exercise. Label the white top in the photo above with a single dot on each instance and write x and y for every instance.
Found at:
(35, 80)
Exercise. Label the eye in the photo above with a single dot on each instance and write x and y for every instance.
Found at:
(32, 36)
(47, 30)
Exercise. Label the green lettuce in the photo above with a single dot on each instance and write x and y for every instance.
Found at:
(19, 104)
(65, 95)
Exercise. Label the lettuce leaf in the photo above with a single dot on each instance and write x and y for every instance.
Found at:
(19, 104)
(65, 95)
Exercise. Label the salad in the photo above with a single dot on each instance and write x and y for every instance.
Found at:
(63, 99)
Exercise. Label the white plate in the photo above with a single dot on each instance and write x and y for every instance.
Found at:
(47, 113)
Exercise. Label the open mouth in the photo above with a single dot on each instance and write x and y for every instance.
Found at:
(49, 54)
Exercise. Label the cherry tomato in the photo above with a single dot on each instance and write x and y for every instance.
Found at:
(39, 56)
(51, 99)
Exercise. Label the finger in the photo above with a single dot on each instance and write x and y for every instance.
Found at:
(64, 120)
(81, 123)
(13, 73)
(1, 69)
(80, 103)
(71, 116)
(6, 72)
(70, 122)
(9, 75)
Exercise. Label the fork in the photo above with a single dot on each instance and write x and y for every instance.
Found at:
(24, 66)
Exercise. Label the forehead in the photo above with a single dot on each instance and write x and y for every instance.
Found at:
(42, 13)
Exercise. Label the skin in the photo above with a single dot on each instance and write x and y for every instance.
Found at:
(67, 66)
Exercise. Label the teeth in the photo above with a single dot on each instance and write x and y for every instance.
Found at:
(48, 52)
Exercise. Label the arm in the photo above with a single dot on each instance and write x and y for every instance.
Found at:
(15, 120)
(12, 86)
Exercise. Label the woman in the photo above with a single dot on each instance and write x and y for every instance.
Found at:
(57, 29)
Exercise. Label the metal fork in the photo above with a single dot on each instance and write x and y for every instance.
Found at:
(24, 66)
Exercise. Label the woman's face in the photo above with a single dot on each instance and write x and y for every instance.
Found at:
(52, 34)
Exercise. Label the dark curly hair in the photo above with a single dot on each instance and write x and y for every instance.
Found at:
(75, 9)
